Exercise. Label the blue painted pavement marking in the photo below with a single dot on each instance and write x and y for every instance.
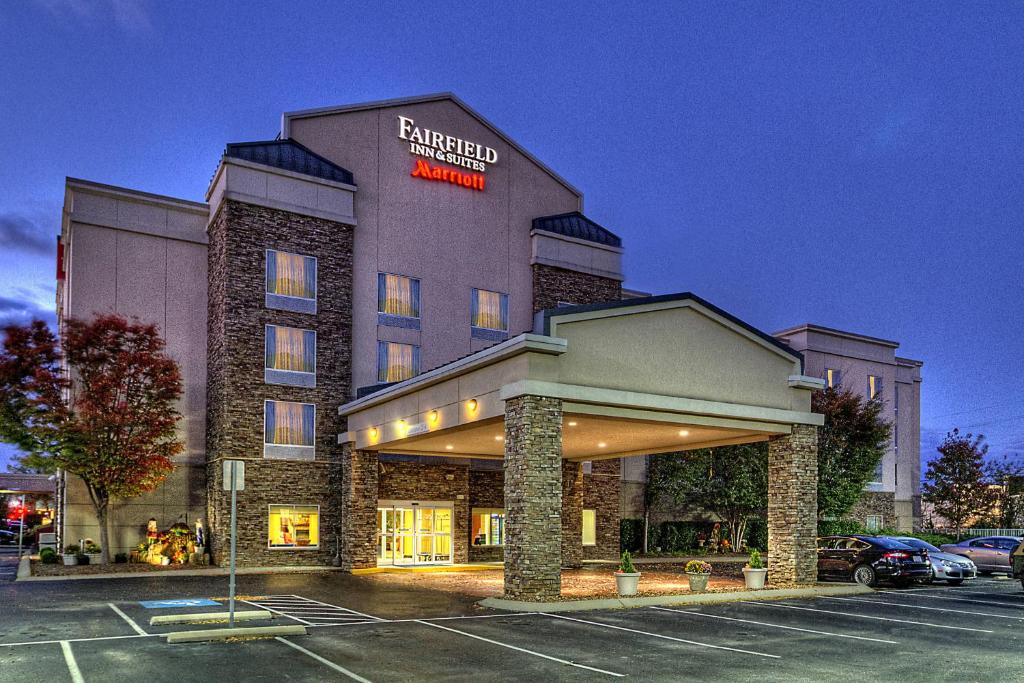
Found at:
(188, 602)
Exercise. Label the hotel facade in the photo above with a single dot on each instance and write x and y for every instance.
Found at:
(421, 347)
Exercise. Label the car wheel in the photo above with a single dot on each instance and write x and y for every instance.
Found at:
(954, 582)
(865, 575)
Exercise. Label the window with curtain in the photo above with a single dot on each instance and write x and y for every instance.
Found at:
(289, 429)
(290, 349)
(398, 295)
(489, 310)
(397, 362)
(294, 526)
(874, 386)
(291, 282)
(832, 377)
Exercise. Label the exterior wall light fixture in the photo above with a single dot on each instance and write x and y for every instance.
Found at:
(473, 405)
(433, 416)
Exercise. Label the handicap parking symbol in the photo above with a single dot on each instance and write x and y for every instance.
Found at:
(187, 602)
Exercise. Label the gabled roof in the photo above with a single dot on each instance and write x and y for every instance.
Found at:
(288, 116)
(575, 224)
(290, 156)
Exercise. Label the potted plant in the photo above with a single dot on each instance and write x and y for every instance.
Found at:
(627, 578)
(754, 572)
(71, 554)
(698, 572)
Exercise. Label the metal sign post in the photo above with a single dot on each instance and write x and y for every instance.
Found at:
(234, 480)
(21, 529)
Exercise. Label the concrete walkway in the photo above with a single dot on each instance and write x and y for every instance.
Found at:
(821, 590)
(209, 571)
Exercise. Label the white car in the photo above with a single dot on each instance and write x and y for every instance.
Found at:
(953, 569)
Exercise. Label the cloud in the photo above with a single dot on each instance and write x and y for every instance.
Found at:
(19, 310)
(130, 15)
(20, 233)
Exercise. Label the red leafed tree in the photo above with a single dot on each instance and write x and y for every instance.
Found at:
(114, 426)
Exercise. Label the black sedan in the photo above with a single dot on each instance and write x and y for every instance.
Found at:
(870, 559)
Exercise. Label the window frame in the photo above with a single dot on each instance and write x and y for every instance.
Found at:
(835, 380)
(417, 366)
(301, 377)
(878, 387)
(270, 546)
(488, 332)
(310, 450)
(488, 511)
(295, 306)
(419, 296)
(583, 527)
(880, 523)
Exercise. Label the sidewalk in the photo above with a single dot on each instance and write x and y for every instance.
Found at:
(209, 571)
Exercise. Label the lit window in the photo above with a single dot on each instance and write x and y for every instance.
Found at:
(291, 282)
(290, 356)
(590, 527)
(295, 526)
(489, 310)
(398, 295)
(488, 527)
(873, 523)
(874, 386)
(397, 362)
(289, 432)
(832, 377)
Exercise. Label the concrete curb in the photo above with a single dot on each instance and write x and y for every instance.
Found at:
(225, 633)
(251, 615)
(24, 568)
(216, 571)
(666, 600)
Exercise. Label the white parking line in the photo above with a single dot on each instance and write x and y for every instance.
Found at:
(660, 635)
(77, 640)
(952, 597)
(788, 628)
(301, 621)
(69, 658)
(368, 616)
(935, 609)
(337, 667)
(521, 649)
(866, 616)
(130, 621)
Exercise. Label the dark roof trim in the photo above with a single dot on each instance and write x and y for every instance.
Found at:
(663, 298)
(290, 156)
(575, 224)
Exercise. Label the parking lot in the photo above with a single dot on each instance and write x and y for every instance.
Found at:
(903, 634)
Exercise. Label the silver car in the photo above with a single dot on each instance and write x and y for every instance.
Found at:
(953, 569)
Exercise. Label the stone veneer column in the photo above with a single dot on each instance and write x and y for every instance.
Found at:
(572, 514)
(359, 478)
(793, 507)
(533, 498)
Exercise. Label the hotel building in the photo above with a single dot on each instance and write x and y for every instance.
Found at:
(420, 345)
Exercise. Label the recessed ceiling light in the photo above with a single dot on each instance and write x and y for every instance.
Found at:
(449, 447)
(499, 438)
(572, 424)
(601, 444)
(684, 432)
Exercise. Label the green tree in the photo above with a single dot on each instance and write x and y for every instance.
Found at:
(955, 482)
(729, 481)
(851, 443)
(114, 427)
(1006, 476)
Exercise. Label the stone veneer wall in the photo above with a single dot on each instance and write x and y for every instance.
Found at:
(358, 502)
(572, 514)
(533, 498)
(239, 234)
(793, 507)
(875, 503)
(486, 490)
(551, 285)
(415, 481)
(601, 493)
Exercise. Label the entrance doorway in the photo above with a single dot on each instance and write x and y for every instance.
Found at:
(414, 532)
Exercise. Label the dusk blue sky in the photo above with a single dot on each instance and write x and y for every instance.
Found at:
(858, 166)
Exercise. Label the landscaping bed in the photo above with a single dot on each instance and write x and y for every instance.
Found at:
(40, 569)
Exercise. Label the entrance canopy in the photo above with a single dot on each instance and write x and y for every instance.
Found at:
(651, 375)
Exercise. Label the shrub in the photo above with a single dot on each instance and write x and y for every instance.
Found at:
(755, 560)
(91, 548)
(631, 535)
(72, 549)
(757, 533)
(626, 563)
(82, 558)
(839, 527)
(673, 537)
(48, 556)
(121, 558)
(698, 567)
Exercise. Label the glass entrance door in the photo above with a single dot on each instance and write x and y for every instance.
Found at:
(414, 533)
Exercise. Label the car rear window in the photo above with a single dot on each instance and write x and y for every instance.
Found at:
(887, 543)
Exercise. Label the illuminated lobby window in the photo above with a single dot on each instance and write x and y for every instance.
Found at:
(590, 527)
(874, 386)
(397, 362)
(832, 377)
(488, 527)
(291, 282)
(289, 430)
(294, 526)
(489, 315)
(290, 356)
(398, 301)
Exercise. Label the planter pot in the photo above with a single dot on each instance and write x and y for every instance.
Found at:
(70, 560)
(698, 582)
(627, 583)
(754, 578)
(165, 560)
